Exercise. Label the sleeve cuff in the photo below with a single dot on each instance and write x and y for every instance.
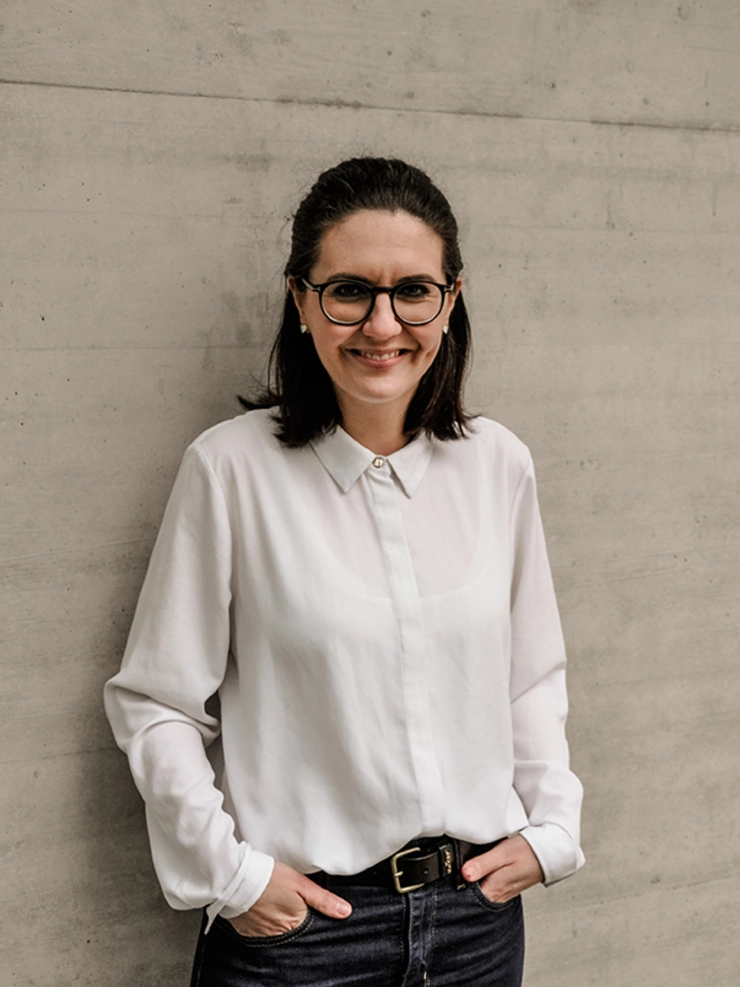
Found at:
(558, 855)
(247, 885)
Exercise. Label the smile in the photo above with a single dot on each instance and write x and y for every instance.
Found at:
(377, 357)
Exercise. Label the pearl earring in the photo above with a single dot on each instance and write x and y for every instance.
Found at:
(445, 329)
(304, 327)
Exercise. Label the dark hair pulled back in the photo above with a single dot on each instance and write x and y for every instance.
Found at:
(300, 389)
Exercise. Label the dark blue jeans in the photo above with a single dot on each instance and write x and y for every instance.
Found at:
(438, 936)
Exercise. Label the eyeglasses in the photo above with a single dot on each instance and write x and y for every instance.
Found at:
(347, 303)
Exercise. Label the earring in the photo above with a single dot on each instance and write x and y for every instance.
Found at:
(304, 327)
(445, 329)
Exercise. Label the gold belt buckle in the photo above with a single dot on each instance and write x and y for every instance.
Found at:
(395, 870)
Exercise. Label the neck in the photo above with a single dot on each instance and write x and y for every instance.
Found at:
(378, 427)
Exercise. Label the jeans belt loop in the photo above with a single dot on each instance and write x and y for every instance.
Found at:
(461, 882)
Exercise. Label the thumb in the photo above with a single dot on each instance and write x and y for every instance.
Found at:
(324, 901)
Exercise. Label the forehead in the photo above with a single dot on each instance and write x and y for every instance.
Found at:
(381, 241)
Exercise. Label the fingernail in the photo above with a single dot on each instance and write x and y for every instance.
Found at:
(344, 909)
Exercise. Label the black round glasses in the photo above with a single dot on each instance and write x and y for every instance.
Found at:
(347, 303)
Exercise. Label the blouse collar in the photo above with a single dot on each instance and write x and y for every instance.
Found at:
(346, 460)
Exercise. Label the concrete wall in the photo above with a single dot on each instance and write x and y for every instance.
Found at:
(150, 155)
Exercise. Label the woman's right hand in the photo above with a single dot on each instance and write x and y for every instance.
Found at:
(283, 904)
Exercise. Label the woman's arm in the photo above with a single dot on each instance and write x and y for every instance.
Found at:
(548, 848)
(174, 662)
(549, 790)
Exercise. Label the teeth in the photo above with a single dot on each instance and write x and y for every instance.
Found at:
(379, 356)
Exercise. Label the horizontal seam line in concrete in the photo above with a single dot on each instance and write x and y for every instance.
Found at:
(356, 105)
(82, 752)
(567, 229)
(206, 347)
(71, 549)
(658, 888)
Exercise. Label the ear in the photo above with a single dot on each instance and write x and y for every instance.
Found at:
(299, 297)
(452, 296)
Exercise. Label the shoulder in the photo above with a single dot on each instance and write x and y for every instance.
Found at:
(245, 435)
(497, 441)
(241, 447)
(489, 456)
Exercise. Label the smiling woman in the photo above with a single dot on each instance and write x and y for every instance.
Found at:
(302, 390)
(357, 568)
(372, 356)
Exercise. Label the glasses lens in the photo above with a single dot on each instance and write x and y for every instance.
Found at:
(417, 301)
(346, 301)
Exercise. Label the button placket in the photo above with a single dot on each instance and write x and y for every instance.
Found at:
(407, 605)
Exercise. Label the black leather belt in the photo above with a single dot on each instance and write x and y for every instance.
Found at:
(418, 863)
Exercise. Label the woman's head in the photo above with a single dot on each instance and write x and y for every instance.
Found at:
(389, 185)
(305, 388)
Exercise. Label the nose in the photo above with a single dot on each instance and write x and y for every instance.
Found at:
(382, 322)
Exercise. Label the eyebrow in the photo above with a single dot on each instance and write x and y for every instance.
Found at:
(345, 276)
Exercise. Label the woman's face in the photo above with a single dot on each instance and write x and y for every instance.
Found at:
(381, 360)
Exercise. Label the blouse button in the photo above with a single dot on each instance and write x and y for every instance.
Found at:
(378, 462)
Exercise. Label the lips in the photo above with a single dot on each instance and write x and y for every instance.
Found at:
(379, 356)
(379, 363)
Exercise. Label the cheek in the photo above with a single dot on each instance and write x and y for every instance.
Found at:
(327, 340)
(430, 346)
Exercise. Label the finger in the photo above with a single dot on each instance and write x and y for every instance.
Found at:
(512, 878)
(324, 901)
(477, 867)
(271, 919)
(495, 891)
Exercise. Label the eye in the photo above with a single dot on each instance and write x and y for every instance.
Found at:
(415, 290)
(346, 291)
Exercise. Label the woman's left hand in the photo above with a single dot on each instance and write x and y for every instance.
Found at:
(506, 871)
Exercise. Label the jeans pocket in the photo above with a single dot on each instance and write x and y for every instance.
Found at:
(491, 906)
(257, 941)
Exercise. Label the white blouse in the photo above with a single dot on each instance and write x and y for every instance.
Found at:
(383, 637)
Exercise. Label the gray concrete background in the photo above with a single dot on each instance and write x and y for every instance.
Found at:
(150, 156)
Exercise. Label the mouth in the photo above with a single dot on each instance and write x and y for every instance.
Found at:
(377, 356)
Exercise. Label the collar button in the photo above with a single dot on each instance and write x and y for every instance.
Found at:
(378, 462)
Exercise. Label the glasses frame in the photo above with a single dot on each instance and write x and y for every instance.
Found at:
(375, 290)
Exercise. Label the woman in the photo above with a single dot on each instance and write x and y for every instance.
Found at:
(357, 571)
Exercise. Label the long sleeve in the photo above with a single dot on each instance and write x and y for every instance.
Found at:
(174, 662)
(550, 792)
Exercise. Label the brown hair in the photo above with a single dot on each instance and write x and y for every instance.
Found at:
(300, 389)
